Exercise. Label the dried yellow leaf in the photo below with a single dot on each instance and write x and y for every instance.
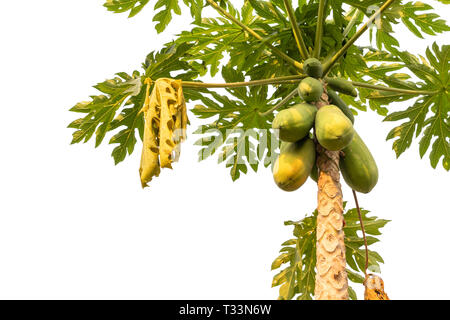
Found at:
(173, 120)
(165, 127)
(149, 159)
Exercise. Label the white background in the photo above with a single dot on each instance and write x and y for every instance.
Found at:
(74, 226)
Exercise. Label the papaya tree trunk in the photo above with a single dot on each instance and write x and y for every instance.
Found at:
(331, 276)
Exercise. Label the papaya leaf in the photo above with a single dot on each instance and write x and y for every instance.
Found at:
(212, 38)
(119, 6)
(435, 75)
(298, 255)
(164, 16)
(269, 11)
(375, 55)
(416, 16)
(211, 49)
(101, 110)
(132, 120)
(240, 133)
(352, 294)
(419, 22)
(170, 62)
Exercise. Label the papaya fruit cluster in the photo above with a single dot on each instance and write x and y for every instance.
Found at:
(332, 128)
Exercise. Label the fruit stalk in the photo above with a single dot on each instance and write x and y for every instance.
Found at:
(331, 277)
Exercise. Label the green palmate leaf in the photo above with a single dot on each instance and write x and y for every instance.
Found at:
(170, 63)
(414, 18)
(353, 65)
(241, 134)
(131, 119)
(375, 55)
(385, 39)
(352, 294)
(101, 110)
(163, 9)
(214, 37)
(435, 74)
(210, 40)
(119, 6)
(298, 255)
(269, 10)
(164, 16)
(355, 252)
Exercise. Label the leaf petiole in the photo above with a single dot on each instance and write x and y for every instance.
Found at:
(355, 37)
(296, 30)
(277, 80)
(281, 103)
(279, 53)
(382, 88)
(319, 29)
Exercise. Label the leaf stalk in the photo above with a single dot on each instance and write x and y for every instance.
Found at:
(281, 103)
(277, 80)
(319, 29)
(355, 37)
(296, 30)
(399, 90)
(352, 22)
(279, 53)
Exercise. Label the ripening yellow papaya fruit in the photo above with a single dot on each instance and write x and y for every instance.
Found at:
(338, 102)
(294, 164)
(334, 130)
(295, 122)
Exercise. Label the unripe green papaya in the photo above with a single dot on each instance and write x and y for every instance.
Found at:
(310, 89)
(342, 86)
(334, 130)
(294, 164)
(358, 166)
(295, 122)
(315, 173)
(313, 68)
(337, 101)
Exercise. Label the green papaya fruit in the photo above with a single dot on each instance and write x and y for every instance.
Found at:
(358, 166)
(337, 101)
(310, 89)
(342, 86)
(315, 173)
(295, 122)
(294, 164)
(313, 68)
(334, 130)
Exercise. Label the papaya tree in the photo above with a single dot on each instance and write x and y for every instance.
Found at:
(294, 75)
